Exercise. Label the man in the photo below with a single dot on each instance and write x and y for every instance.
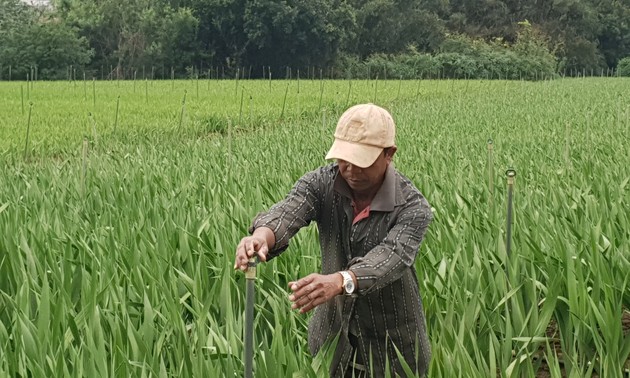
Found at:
(371, 221)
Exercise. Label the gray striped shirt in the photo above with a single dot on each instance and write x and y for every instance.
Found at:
(386, 313)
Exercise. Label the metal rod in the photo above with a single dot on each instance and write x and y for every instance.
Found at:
(510, 173)
(250, 276)
(491, 173)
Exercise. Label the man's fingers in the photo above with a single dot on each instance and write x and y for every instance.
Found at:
(294, 286)
(250, 247)
(262, 253)
(247, 248)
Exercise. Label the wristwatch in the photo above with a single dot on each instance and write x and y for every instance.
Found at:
(348, 283)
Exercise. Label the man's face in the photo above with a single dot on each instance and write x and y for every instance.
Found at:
(365, 180)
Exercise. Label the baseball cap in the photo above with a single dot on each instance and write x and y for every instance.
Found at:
(363, 131)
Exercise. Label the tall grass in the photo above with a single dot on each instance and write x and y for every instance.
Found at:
(124, 268)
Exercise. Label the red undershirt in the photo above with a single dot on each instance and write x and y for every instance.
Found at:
(358, 216)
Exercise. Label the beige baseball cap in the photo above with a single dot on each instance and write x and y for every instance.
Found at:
(363, 131)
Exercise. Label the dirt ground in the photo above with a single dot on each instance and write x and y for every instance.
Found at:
(554, 337)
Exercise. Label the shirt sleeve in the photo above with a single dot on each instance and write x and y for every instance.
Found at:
(296, 210)
(387, 262)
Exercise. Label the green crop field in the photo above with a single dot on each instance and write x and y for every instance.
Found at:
(121, 204)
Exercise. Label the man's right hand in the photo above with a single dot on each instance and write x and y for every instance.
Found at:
(257, 244)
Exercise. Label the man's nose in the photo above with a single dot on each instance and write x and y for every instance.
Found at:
(352, 168)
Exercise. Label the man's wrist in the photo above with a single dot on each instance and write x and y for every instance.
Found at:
(349, 282)
(341, 289)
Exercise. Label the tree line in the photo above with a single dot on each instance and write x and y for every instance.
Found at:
(332, 38)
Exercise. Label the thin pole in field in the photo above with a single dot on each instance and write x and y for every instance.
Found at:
(240, 112)
(589, 140)
(228, 159)
(251, 99)
(84, 155)
(116, 118)
(321, 91)
(269, 69)
(28, 130)
(567, 146)
(491, 173)
(93, 122)
(284, 102)
(510, 173)
(134, 80)
(197, 77)
(84, 88)
(250, 278)
(22, 95)
(375, 89)
(181, 116)
(146, 91)
(323, 124)
(236, 84)
(28, 90)
(619, 114)
(348, 95)
(94, 91)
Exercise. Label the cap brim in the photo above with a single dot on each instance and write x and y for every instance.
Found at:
(361, 155)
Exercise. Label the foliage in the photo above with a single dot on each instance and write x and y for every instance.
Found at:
(32, 39)
(189, 37)
(390, 27)
(623, 67)
(118, 262)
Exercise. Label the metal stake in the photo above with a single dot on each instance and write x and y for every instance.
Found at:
(250, 276)
(491, 173)
(510, 173)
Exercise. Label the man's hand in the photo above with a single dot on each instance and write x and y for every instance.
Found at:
(314, 289)
(250, 246)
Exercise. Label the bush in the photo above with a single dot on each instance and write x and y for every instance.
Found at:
(623, 67)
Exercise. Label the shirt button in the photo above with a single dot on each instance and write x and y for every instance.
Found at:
(356, 317)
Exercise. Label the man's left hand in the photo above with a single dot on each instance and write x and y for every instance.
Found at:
(314, 289)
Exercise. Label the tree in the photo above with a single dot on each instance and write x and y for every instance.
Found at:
(32, 38)
(129, 34)
(295, 33)
(393, 26)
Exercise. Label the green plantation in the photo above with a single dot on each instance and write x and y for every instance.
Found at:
(121, 204)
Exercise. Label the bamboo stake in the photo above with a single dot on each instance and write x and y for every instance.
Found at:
(116, 119)
(84, 164)
(94, 91)
(181, 115)
(28, 130)
(491, 173)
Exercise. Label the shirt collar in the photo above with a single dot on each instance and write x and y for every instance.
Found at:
(388, 196)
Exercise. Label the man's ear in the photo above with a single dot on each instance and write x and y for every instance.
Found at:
(389, 154)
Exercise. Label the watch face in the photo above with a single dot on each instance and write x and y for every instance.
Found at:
(349, 286)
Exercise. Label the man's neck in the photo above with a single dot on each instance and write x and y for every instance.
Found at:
(366, 197)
